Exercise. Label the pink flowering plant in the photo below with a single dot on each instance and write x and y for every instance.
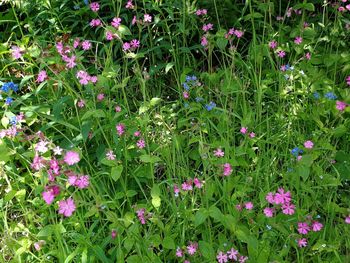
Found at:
(174, 131)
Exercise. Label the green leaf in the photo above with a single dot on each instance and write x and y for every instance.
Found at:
(206, 250)
(155, 193)
(94, 113)
(222, 43)
(200, 217)
(116, 172)
(46, 231)
(4, 152)
(168, 242)
(149, 159)
(169, 66)
(125, 31)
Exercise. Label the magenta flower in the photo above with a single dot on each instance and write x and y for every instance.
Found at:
(94, 6)
(86, 44)
(303, 228)
(135, 43)
(93, 79)
(141, 144)
(72, 179)
(187, 186)
(204, 41)
(273, 44)
(308, 144)
(16, 52)
(316, 226)
(95, 22)
(71, 157)
(147, 18)
(281, 53)
(198, 183)
(308, 55)
(186, 95)
(348, 80)
(81, 103)
(114, 234)
(76, 43)
(82, 181)
(129, 5)
(176, 190)
(221, 257)
(110, 155)
(120, 129)
(282, 197)
(141, 215)
(137, 134)
(116, 22)
(244, 130)
(298, 40)
(219, 153)
(238, 33)
(70, 62)
(252, 135)
(302, 242)
(269, 211)
(207, 27)
(100, 96)
(109, 35)
(66, 207)
(118, 109)
(270, 198)
(179, 253)
(134, 20)
(41, 76)
(347, 219)
(227, 169)
(341, 105)
(48, 196)
(288, 209)
(249, 205)
(232, 254)
(242, 259)
(126, 46)
(192, 248)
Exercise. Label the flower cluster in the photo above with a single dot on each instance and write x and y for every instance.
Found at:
(230, 256)
(142, 215)
(8, 87)
(244, 130)
(305, 227)
(132, 45)
(188, 185)
(280, 200)
(191, 249)
(84, 78)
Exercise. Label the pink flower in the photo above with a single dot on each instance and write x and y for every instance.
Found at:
(239, 207)
(66, 207)
(283, 68)
(281, 53)
(179, 253)
(71, 157)
(232, 254)
(110, 155)
(227, 169)
(249, 205)
(120, 129)
(348, 80)
(288, 209)
(299, 157)
(141, 144)
(347, 219)
(70, 62)
(137, 134)
(95, 6)
(41, 76)
(298, 40)
(316, 226)
(176, 190)
(147, 18)
(100, 96)
(126, 46)
(141, 215)
(86, 45)
(204, 41)
(192, 248)
(219, 153)
(114, 234)
(221, 257)
(186, 95)
(129, 5)
(282, 197)
(187, 186)
(109, 35)
(81, 103)
(72, 179)
(243, 130)
(93, 79)
(308, 144)
(308, 56)
(243, 259)
(116, 22)
(341, 105)
(303, 228)
(302, 242)
(207, 27)
(252, 135)
(76, 42)
(16, 52)
(269, 211)
(41, 147)
(48, 196)
(273, 44)
(270, 198)
(38, 245)
(95, 22)
(83, 77)
(347, 7)
(238, 33)
(38, 163)
(134, 20)
(82, 182)
(118, 109)
(198, 183)
(135, 43)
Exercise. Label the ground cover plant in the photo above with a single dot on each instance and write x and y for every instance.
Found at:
(174, 131)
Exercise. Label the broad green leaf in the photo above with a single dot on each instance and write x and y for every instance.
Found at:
(116, 172)
(168, 242)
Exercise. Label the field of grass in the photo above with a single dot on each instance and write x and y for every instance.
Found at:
(174, 131)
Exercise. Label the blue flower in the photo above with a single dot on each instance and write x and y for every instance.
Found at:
(295, 151)
(186, 87)
(86, 2)
(210, 106)
(330, 96)
(199, 99)
(8, 100)
(194, 78)
(9, 85)
(316, 95)
(188, 78)
(13, 120)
